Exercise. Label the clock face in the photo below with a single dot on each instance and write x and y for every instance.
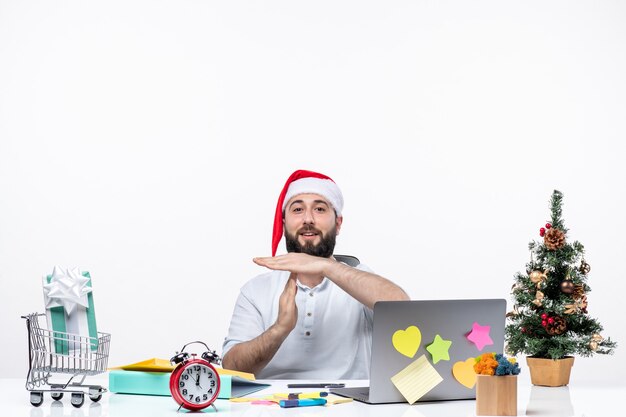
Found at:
(197, 384)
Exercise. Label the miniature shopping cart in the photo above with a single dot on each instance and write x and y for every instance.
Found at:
(51, 352)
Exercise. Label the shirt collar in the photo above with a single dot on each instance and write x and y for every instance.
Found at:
(319, 287)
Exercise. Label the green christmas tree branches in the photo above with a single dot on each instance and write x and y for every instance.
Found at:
(550, 317)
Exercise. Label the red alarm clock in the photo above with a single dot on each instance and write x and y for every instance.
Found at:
(195, 383)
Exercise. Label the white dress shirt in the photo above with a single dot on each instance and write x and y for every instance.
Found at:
(332, 338)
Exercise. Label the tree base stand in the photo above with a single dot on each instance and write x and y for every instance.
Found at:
(550, 372)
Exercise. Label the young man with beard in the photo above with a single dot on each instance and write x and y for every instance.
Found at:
(311, 316)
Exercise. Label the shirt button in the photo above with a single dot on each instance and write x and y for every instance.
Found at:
(308, 314)
(308, 333)
(311, 294)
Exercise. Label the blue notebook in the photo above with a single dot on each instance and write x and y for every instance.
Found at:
(158, 383)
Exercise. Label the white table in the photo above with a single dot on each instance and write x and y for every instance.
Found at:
(536, 401)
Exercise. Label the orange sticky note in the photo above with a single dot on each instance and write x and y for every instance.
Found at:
(464, 372)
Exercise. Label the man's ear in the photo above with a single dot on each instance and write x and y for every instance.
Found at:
(338, 222)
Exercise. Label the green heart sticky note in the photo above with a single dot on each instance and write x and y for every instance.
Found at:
(407, 341)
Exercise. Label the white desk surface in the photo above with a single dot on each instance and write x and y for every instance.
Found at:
(575, 400)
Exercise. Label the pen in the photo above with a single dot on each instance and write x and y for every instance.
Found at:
(317, 385)
(306, 402)
(299, 395)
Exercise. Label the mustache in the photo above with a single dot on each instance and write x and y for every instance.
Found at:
(308, 229)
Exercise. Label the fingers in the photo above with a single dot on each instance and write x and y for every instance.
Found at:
(300, 263)
(287, 309)
(289, 262)
(276, 263)
(259, 261)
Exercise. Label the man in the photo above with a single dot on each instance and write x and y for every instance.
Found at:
(311, 316)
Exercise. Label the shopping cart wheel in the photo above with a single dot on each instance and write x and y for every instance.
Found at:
(36, 398)
(78, 398)
(56, 396)
(95, 393)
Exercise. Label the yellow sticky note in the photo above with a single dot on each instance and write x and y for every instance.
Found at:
(244, 375)
(164, 365)
(149, 365)
(464, 372)
(416, 379)
(333, 399)
(407, 341)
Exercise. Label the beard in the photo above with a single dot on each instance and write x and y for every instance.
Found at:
(323, 249)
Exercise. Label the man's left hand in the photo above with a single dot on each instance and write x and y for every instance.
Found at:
(300, 263)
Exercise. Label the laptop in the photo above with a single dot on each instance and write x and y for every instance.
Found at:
(452, 320)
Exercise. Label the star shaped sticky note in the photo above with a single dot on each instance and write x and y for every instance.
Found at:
(439, 349)
(480, 336)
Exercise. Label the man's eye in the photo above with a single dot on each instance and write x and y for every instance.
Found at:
(296, 209)
(320, 209)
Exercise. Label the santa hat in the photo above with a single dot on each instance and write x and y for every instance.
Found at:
(303, 182)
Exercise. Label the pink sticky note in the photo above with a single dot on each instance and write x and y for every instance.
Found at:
(480, 336)
(263, 402)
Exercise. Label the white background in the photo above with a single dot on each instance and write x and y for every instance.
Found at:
(147, 142)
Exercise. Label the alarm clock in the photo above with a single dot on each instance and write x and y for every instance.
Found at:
(194, 382)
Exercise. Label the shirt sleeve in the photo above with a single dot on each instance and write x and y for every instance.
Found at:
(245, 324)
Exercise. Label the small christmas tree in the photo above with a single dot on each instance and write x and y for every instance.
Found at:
(550, 317)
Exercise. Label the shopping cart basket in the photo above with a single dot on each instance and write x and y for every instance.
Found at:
(51, 352)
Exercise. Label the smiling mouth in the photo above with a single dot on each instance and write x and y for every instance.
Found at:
(309, 233)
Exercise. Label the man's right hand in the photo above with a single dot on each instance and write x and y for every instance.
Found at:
(253, 355)
(287, 309)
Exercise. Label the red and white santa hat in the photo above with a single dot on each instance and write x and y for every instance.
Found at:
(304, 182)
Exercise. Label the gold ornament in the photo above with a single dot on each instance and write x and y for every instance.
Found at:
(577, 306)
(595, 339)
(567, 286)
(538, 277)
(584, 268)
(538, 298)
(554, 239)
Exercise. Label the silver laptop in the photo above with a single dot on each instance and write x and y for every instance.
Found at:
(452, 320)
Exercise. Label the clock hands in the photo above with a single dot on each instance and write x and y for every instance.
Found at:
(198, 381)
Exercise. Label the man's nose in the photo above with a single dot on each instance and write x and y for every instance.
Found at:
(308, 217)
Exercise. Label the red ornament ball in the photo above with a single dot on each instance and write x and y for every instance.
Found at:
(542, 232)
(548, 225)
(544, 316)
(523, 329)
(544, 323)
(550, 320)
